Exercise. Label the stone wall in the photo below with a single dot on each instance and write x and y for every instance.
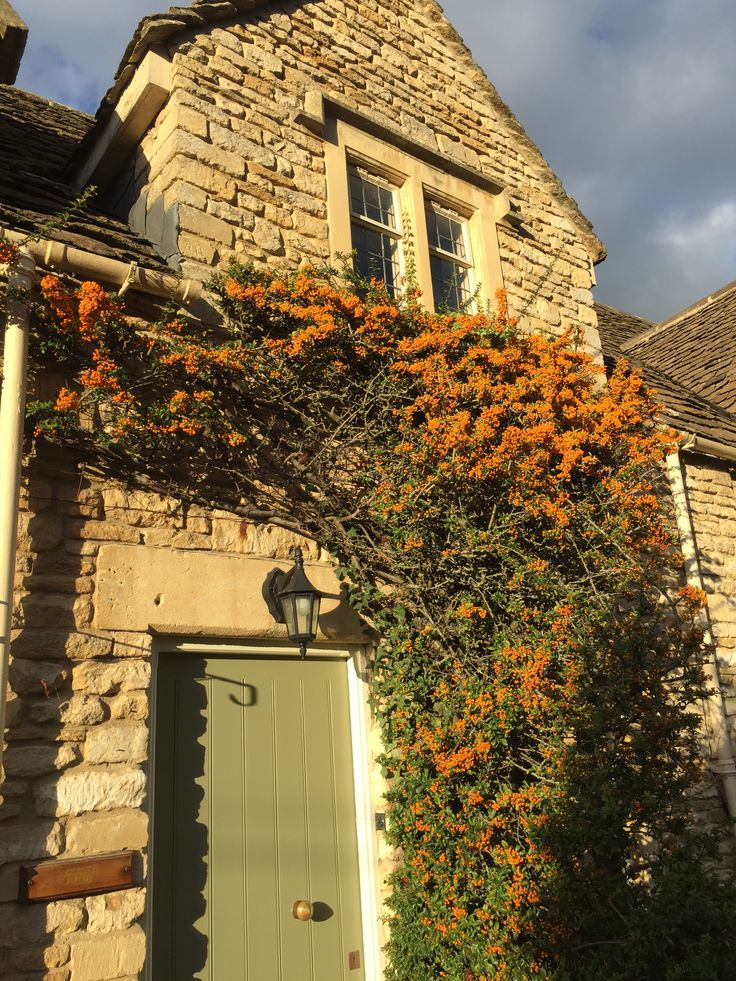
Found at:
(711, 494)
(77, 738)
(250, 181)
(711, 488)
(76, 762)
(77, 756)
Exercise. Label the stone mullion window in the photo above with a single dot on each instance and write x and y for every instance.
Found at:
(409, 223)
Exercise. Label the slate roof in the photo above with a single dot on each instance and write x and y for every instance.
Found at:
(156, 29)
(684, 409)
(37, 138)
(696, 348)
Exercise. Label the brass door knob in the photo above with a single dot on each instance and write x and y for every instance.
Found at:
(302, 910)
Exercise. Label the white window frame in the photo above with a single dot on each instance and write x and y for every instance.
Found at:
(417, 182)
(465, 262)
(397, 232)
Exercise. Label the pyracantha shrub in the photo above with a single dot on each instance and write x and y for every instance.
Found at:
(493, 504)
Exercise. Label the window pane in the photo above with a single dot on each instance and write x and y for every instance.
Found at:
(376, 256)
(445, 233)
(370, 200)
(450, 284)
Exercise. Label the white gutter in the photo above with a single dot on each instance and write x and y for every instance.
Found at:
(12, 419)
(124, 275)
(710, 447)
(716, 717)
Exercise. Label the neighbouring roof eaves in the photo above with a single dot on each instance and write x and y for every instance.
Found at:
(687, 411)
(37, 138)
(159, 28)
(696, 348)
(683, 409)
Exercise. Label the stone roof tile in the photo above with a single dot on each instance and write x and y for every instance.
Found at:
(616, 327)
(683, 408)
(697, 347)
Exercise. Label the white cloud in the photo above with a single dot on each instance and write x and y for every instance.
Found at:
(632, 103)
(693, 233)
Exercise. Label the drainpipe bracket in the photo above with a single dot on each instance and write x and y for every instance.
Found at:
(724, 767)
(130, 279)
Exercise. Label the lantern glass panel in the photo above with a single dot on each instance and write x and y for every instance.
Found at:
(304, 614)
(288, 606)
(315, 613)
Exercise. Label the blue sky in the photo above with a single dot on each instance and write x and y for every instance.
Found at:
(631, 101)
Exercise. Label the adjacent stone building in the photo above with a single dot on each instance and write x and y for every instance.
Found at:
(141, 645)
(689, 361)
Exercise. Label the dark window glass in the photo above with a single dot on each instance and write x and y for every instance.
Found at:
(445, 234)
(376, 256)
(449, 260)
(374, 230)
(450, 284)
(370, 200)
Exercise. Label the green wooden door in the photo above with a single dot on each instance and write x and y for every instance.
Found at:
(254, 810)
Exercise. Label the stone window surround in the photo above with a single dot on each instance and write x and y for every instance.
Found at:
(420, 173)
(416, 183)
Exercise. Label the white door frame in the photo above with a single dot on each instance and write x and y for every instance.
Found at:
(355, 657)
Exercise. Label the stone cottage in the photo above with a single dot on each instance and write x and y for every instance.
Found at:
(276, 132)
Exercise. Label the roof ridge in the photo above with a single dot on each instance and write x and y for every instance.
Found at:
(45, 100)
(623, 313)
(694, 308)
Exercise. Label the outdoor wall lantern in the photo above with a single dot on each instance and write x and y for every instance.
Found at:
(293, 600)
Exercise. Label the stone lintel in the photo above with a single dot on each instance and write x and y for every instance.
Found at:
(175, 592)
(320, 108)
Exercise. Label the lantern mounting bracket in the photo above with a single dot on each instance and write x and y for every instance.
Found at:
(275, 582)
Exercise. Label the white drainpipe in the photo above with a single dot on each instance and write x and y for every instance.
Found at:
(716, 716)
(12, 418)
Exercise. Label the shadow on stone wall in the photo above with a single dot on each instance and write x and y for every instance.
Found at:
(73, 783)
(180, 947)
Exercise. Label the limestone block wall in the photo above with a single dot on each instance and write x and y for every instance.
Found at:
(711, 488)
(76, 762)
(250, 181)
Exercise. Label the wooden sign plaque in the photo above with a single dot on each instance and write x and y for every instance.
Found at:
(67, 878)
